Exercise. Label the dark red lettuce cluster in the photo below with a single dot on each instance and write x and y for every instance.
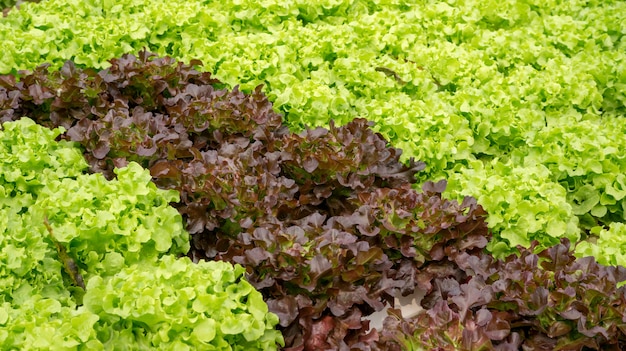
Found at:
(326, 222)
(544, 301)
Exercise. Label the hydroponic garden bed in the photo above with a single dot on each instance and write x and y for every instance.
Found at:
(258, 175)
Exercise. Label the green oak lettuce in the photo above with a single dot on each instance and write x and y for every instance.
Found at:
(110, 224)
(609, 246)
(194, 306)
(106, 224)
(522, 207)
(46, 324)
(29, 159)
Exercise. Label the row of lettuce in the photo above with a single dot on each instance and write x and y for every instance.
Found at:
(323, 227)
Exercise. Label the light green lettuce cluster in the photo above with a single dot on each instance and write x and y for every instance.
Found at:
(46, 324)
(204, 306)
(122, 238)
(522, 206)
(111, 224)
(29, 159)
(451, 83)
(609, 248)
(105, 224)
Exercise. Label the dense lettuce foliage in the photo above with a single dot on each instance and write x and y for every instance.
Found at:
(204, 306)
(544, 301)
(325, 223)
(609, 247)
(527, 94)
(106, 224)
(68, 237)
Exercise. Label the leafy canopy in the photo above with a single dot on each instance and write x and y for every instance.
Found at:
(325, 222)
(529, 94)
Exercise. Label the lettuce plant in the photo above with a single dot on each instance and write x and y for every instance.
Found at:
(193, 306)
(41, 323)
(29, 160)
(609, 246)
(108, 224)
(521, 205)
